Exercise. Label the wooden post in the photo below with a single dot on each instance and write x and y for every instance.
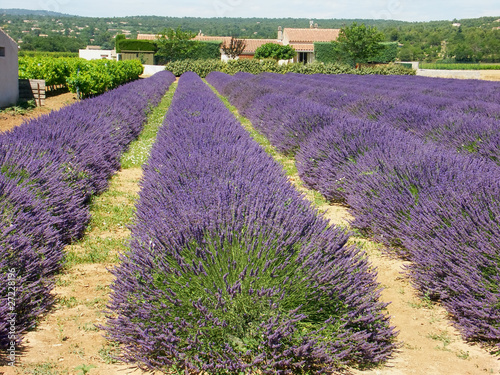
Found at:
(39, 95)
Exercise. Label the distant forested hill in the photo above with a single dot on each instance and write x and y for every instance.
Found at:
(475, 39)
(28, 12)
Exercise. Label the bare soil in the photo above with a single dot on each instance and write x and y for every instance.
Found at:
(10, 119)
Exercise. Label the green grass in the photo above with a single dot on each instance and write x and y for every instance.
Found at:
(460, 66)
(21, 107)
(138, 152)
(106, 235)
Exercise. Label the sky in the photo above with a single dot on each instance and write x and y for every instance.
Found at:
(405, 10)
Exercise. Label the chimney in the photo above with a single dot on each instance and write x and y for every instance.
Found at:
(311, 23)
(280, 33)
(315, 25)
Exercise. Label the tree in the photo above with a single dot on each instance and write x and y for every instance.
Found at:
(175, 44)
(360, 43)
(235, 47)
(274, 51)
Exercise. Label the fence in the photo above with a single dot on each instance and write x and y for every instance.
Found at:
(32, 89)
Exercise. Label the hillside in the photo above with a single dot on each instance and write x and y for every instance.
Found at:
(476, 39)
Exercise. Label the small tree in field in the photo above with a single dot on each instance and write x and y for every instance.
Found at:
(274, 51)
(360, 43)
(234, 48)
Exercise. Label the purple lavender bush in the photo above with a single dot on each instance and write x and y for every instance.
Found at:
(49, 169)
(230, 269)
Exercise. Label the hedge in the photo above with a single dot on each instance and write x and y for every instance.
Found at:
(328, 52)
(136, 45)
(204, 67)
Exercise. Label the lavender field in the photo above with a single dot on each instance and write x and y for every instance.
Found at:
(415, 159)
(228, 268)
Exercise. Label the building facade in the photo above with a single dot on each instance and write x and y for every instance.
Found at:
(9, 74)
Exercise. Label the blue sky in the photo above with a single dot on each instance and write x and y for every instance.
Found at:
(406, 10)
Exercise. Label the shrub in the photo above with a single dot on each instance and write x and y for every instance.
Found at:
(204, 67)
(136, 45)
(416, 176)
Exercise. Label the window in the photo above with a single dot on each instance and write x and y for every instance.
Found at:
(303, 57)
(2, 51)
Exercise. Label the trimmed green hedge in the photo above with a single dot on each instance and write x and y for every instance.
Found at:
(329, 52)
(206, 50)
(386, 55)
(169, 51)
(136, 45)
(203, 67)
(457, 66)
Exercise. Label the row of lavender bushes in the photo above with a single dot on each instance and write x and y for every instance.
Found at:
(49, 169)
(431, 204)
(230, 269)
(459, 116)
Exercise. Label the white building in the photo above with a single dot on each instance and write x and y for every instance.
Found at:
(93, 53)
(9, 74)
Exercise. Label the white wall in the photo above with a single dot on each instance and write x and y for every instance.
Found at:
(9, 84)
(457, 74)
(149, 70)
(97, 54)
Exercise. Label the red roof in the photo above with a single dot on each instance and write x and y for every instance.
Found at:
(204, 38)
(310, 35)
(253, 44)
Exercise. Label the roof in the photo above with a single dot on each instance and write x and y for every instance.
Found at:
(250, 44)
(310, 35)
(303, 47)
(204, 38)
(253, 44)
(146, 36)
(8, 36)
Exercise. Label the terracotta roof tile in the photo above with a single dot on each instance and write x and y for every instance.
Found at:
(204, 38)
(253, 44)
(310, 35)
(303, 47)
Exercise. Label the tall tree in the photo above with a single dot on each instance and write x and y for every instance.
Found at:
(360, 43)
(234, 48)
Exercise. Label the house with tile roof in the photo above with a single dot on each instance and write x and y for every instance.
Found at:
(302, 40)
(250, 45)
(9, 73)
